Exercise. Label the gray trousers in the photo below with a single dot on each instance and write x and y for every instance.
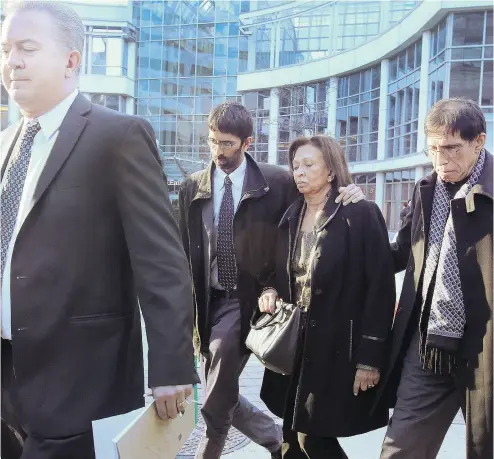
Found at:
(426, 405)
(220, 371)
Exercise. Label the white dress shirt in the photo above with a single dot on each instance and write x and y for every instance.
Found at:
(237, 177)
(40, 151)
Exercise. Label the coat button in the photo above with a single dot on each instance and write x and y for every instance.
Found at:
(312, 323)
(318, 291)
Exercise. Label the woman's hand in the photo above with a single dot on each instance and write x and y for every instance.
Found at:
(267, 301)
(365, 379)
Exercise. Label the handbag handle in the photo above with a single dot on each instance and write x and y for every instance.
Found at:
(279, 309)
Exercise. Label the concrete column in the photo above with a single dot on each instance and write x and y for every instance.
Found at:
(274, 109)
(334, 27)
(132, 60)
(89, 50)
(331, 97)
(278, 45)
(383, 110)
(424, 87)
(251, 54)
(380, 190)
(130, 106)
(385, 16)
(419, 173)
(272, 49)
(13, 113)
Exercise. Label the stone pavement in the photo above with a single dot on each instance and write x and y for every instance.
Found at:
(366, 446)
(361, 447)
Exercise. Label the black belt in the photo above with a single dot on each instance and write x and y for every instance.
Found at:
(231, 294)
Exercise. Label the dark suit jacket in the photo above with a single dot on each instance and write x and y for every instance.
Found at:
(268, 190)
(100, 234)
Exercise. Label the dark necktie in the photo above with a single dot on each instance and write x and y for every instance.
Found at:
(225, 251)
(11, 193)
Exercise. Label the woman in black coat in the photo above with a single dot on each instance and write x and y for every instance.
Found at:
(335, 263)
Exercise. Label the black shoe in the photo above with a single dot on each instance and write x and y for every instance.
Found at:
(276, 454)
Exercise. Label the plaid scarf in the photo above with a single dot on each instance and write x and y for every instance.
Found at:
(446, 321)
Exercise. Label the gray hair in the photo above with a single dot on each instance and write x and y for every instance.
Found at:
(70, 27)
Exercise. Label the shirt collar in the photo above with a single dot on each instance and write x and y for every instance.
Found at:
(50, 121)
(237, 176)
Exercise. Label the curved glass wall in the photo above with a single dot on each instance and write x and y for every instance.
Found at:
(403, 101)
(302, 112)
(398, 190)
(357, 114)
(316, 29)
(437, 63)
(472, 58)
(258, 103)
(106, 50)
(189, 55)
(367, 182)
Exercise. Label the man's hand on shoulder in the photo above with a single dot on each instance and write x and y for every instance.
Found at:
(350, 194)
(170, 400)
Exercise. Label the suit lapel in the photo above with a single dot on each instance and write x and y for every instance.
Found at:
(9, 138)
(419, 242)
(426, 198)
(207, 231)
(68, 135)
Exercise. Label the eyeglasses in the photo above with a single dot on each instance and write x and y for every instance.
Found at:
(449, 151)
(221, 144)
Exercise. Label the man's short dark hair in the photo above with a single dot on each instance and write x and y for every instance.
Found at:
(231, 118)
(456, 116)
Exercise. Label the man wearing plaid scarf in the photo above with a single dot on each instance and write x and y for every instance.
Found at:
(441, 358)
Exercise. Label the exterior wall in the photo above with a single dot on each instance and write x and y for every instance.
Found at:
(171, 62)
(440, 49)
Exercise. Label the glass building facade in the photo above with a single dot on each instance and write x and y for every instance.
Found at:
(189, 55)
(357, 114)
(171, 61)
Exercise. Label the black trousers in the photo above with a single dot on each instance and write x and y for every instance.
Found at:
(18, 443)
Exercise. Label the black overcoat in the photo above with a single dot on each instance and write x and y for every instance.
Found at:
(472, 219)
(349, 319)
(268, 191)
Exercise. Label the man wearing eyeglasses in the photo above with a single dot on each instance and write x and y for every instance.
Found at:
(441, 358)
(229, 216)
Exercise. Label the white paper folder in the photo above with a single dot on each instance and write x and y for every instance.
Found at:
(142, 434)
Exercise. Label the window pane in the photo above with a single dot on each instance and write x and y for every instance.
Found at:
(418, 54)
(374, 115)
(488, 33)
(468, 29)
(487, 96)
(393, 69)
(410, 58)
(170, 58)
(99, 55)
(465, 80)
(187, 57)
(354, 84)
